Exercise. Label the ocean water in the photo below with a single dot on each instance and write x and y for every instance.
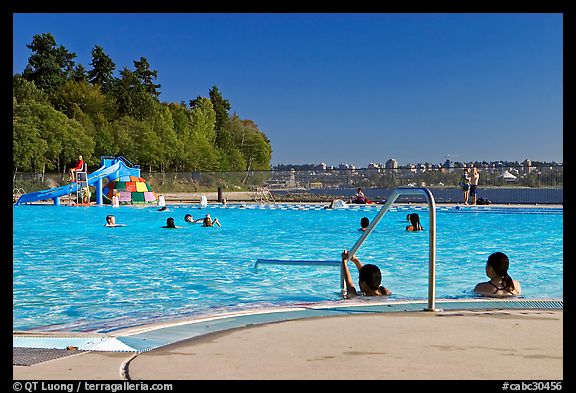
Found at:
(70, 272)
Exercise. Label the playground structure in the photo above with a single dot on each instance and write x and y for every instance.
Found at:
(116, 175)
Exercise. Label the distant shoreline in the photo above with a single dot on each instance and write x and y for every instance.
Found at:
(249, 197)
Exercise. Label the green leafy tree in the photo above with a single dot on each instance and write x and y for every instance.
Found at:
(24, 90)
(162, 144)
(49, 65)
(256, 150)
(64, 138)
(182, 125)
(28, 147)
(252, 143)
(105, 143)
(125, 131)
(81, 95)
(203, 136)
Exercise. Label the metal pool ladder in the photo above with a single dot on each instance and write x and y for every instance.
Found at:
(431, 242)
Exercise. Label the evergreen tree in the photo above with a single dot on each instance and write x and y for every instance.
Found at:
(131, 96)
(79, 74)
(221, 108)
(49, 65)
(194, 102)
(102, 72)
(146, 75)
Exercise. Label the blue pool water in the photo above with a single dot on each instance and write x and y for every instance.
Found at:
(72, 273)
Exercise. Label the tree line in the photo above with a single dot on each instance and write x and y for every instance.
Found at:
(62, 110)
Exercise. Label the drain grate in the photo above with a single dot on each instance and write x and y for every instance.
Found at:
(31, 356)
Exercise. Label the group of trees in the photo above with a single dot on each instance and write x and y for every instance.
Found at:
(61, 110)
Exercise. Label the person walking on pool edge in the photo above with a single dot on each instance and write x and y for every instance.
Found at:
(474, 178)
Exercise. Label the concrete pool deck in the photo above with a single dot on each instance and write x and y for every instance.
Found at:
(331, 343)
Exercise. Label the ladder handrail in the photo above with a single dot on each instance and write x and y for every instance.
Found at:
(431, 230)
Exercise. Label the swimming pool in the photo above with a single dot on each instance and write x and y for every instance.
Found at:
(72, 273)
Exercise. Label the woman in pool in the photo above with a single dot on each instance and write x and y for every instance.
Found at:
(170, 224)
(414, 223)
(500, 284)
(208, 222)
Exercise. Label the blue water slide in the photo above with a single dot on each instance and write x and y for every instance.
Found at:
(109, 170)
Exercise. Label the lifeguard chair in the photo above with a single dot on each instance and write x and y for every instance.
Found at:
(82, 188)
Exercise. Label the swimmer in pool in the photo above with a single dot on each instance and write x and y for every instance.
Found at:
(364, 223)
(500, 284)
(111, 221)
(369, 278)
(414, 223)
(208, 222)
(170, 224)
(189, 219)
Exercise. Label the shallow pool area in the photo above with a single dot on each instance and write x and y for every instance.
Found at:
(70, 272)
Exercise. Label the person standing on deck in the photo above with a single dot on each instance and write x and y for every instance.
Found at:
(474, 178)
(465, 184)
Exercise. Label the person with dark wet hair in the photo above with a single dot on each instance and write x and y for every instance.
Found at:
(500, 284)
(369, 278)
(414, 223)
(364, 223)
(188, 218)
(170, 223)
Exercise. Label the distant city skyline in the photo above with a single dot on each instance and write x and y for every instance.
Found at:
(392, 163)
(349, 87)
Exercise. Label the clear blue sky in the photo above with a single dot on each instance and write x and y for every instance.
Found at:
(349, 88)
